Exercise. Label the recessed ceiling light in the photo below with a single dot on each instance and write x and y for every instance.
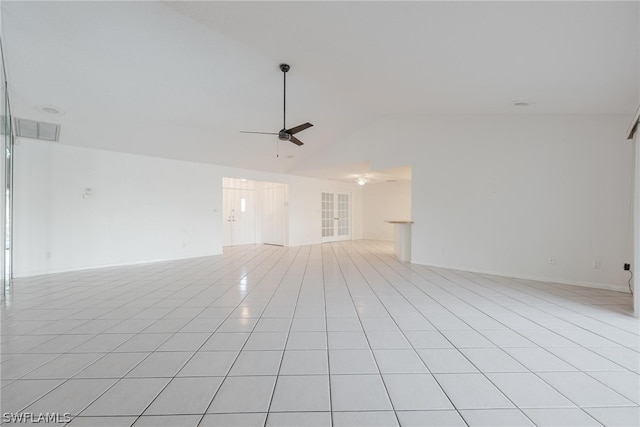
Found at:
(521, 103)
(50, 109)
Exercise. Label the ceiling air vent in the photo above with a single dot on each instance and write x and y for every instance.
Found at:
(37, 130)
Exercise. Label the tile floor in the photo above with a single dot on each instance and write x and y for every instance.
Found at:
(337, 334)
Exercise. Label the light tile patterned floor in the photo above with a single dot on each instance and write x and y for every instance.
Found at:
(337, 334)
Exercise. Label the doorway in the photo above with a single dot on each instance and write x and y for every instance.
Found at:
(336, 217)
(254, 212)
(274, 214)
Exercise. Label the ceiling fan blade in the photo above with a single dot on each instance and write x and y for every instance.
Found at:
(261, 133)
(295, 140)
(299, 128)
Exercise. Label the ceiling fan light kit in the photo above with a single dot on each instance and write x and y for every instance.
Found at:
(286, 134)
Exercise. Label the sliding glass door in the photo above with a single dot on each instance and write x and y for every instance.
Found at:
(6, 184)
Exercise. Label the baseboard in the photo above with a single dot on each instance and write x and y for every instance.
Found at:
(96, 267)
(604, 286)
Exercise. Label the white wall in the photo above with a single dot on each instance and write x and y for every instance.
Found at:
(503, 194)
(304, 202)
(381, 202)
(142, 209)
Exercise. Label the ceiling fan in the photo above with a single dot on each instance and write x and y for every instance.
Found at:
(286, 134)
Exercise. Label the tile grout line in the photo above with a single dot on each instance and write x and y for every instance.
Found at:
(284, 253)
(391, 281)
(530, 371)
(275, 384)
(411, 344)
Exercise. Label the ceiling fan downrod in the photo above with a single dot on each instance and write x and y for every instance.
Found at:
(284, 68)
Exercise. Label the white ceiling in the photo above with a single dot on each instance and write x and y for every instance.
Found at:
(350, 172)
(181, 79)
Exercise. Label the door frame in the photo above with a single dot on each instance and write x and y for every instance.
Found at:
(257, 188)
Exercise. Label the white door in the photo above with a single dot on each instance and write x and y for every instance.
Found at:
(239, 219)
(336, 217)
(274, 216)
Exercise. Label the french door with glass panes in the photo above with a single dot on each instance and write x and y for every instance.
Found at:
(336, 217)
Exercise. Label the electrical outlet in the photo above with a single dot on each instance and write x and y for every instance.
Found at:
(596, 263)
(627, 267)
(551, 260)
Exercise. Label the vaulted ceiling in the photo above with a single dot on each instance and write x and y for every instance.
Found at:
(181, 79)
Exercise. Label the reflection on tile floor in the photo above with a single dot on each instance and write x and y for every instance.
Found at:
(336, 334)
